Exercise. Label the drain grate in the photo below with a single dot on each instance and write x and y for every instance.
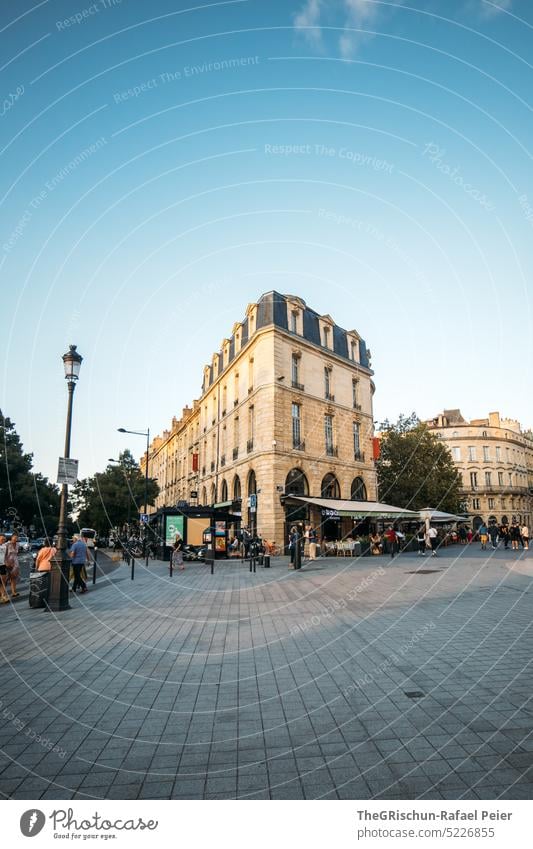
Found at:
(423, 572)
(414, 694)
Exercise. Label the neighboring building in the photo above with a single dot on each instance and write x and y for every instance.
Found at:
(286, 408)
(495, 459)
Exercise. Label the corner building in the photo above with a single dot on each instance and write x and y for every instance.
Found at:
(286, 408)
(495, 459)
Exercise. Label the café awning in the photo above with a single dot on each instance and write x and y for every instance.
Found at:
(338, 508)
(440, 516)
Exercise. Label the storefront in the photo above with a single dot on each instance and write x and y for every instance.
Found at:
(193, 524)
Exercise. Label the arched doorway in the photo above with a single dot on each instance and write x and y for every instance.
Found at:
(358, 490)
(224, 491)
(213, 494)
(237, 488)
(329, 488)
(477, 521)
(296, 483)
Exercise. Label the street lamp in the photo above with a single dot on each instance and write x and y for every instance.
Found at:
(59, 575)
(147, 434)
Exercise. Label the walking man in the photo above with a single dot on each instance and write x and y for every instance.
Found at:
(78, 554)
(493, 534)
(433, 540)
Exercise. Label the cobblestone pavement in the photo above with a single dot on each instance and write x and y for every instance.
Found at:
(349, 679)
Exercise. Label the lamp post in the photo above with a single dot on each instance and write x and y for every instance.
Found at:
(147, 434)
(59, 575)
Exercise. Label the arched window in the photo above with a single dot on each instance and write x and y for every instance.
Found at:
(204, 496)
(236, 488)
(296, 483)
(329, 487)
(213, 494)
(477, 522)
(224, 491)
(493, 520)
(358, 490)
(252, 483)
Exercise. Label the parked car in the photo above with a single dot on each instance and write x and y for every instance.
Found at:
(24, 543)
(36, 544)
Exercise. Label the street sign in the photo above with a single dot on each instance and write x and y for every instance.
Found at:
(181, 504)
(143, 518)
(67, 471)
(252, 502)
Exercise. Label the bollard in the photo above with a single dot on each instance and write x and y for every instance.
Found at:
(266, 561)
(95, 550)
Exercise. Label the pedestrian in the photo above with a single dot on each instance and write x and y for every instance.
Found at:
(293, 540)
(312, 543)
(432, 536)
(421, 540)
(3, 570)
(525, 536)
(12, 564)
(462, 534)
(483, 536)
(469, 535)
(390, 536)
(43, 560)
(493, 534)
(78, 555)
(514, 534)
(177, 554)
(375, 543)
(504, 535)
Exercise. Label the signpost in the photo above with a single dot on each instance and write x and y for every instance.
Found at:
(67, 471)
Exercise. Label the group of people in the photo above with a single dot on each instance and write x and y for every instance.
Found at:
(517, 535)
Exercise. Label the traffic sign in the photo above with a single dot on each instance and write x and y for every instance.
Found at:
(67, 471)
(143, 518)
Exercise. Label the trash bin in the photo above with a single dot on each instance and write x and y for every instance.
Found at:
(39, 588)
(266, 561)
(357, 549)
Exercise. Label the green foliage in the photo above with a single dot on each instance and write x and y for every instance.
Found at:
(416, 469)
(27, 497)
(109, 499)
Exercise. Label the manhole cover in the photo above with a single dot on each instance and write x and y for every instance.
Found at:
(414, 694)
(423, 571)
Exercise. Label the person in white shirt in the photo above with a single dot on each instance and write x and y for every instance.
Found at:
(433, 540)
(524, 533)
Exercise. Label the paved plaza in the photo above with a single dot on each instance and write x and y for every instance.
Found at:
(350, 679)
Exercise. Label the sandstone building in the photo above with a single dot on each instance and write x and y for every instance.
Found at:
(285, 408)
(495, 459)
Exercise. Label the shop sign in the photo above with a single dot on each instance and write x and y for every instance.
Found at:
(330, 514)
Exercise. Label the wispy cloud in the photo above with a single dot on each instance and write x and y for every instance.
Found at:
(307, 22)
(355, 16)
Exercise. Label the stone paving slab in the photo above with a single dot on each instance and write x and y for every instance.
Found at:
(350, 679)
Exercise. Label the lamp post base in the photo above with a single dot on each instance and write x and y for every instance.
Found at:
(59, 583)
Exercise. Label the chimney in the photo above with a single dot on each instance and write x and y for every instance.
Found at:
(494, 420)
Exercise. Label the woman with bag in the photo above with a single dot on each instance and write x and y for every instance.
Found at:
(177, 554)
(12, 564)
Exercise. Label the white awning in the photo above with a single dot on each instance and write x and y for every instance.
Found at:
(440, 516)
(337, 507)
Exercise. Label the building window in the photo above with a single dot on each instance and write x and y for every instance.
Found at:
(328, 434)
(296, 427)
(488, 479)
(475, 503)
(250, 374)
(327, 384)
(456, 454)
(500, 478)
(329, 488)
(486, 454)
(358, 490)
(473, 480)
(355, 394)
(295, 372)
(472, 452)
(353, 351)
(498, 454)
(491, 503)
(326, 333)
(510, 479)
(251, 423)
(294, 321)
(356, 430)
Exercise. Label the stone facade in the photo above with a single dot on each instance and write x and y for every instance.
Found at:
(260, 424)
(495, 458)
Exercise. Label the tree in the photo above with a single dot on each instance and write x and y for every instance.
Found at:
(26, 498)
(415, 470)
(109, 499)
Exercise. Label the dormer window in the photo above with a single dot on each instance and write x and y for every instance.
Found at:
(294, 321)
(326, 336)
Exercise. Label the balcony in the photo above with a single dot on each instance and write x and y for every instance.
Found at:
(359, 456)
(329, 396)
(223, 460)
(298, 445)
(332, 451)
(249, 446)
(299, 386)
(235, 453)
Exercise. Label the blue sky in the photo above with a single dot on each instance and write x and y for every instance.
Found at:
(166, 163)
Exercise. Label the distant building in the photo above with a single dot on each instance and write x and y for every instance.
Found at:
(286, 408)
(495, 459)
